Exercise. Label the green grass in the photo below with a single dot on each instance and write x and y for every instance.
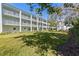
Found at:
(31, 43)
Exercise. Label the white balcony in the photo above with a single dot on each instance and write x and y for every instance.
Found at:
(39, 21)
(10, 22)
(44, 26)
(25, 24)
(10, 13)
(34, 25)
(40, 25)
(25, 17)
(34, 20)
(44, 22)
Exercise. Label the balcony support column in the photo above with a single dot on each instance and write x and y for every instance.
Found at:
(46, 25)
(42, 24)
(20, 21)
(1, 17)
(31, 23)
(37, 24)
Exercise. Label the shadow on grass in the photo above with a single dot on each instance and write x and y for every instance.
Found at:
(45, 41)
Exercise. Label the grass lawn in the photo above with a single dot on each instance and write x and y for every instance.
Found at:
(31, 43)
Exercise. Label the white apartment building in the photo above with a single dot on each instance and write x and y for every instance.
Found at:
(16, 20)
(68, 13)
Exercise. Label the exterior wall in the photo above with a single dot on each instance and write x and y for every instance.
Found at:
(9, 28)
(10, 21)
(25, 28)
(19, 21)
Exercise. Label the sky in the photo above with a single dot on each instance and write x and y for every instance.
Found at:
(26, 8)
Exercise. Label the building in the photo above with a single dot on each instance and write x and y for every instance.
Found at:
(15, 20)
(59, 20)
(68, 14)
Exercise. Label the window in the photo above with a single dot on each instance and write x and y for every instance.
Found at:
(14, 28)
(34, 18)
(24, 28)
(24, 21)
(15, 13)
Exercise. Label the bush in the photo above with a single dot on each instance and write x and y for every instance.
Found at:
(71, 47)
(4, 33)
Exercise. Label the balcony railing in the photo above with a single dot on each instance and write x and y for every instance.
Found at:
(10, 13)
(34, 20)
(39, 25)
(10, 22)
(25, 17)
(34, 25)
(44, 26)
(25, 24)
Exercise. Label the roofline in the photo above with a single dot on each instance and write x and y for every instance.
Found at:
(17, 9)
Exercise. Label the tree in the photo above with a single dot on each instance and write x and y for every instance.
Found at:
(68, 5)
(49, 10)
(44, 6)
(71, 47)
(70, 18)
(53, 20)
(53, 23)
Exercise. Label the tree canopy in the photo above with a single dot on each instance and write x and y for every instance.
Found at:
(71, 18)
(68, 5)
(44, 6)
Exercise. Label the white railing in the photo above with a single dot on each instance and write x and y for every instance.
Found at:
(10, 13)
(34, 25)
(25, 24)
(25, 17)
(34, 20)
(44, 26)
(10, 22)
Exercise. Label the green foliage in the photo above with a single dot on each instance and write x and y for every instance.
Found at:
(71, 47)
(44, 6)
(71, 20)
(75, 22)
(45, 41)
(75, 30)
(31, 43)
(68, 5)
(53, 22)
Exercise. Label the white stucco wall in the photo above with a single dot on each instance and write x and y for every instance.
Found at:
(8, 21)
(8, 28)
